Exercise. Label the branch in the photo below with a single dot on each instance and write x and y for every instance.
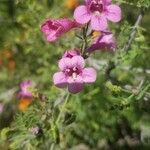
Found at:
(128, 43)
(133, 32)
(101, 64)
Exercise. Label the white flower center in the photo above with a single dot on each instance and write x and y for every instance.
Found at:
(74, 76)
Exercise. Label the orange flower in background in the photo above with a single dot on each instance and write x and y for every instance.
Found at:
(96, 34)
(24, 103)
(7, 54)
(11, 65)
(71, 4)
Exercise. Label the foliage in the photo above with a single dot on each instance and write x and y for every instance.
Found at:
(112, 113)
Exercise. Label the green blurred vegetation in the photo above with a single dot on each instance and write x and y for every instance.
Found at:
(112, 113)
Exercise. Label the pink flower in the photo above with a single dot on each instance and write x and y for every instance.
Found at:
(34, 130)
(54, 28)
(25, 89)
(105, 41)
(97, 12)
(72, 53)
(73, 74)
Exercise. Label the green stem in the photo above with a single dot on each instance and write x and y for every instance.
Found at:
(62, 108)
(84, 38)
(59, 116)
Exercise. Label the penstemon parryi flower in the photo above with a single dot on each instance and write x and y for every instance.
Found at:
(95, 15)
(97, 12)
(54, 28)
(73, 74)
(25, 89)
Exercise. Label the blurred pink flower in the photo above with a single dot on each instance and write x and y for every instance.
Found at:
(71, 53)
(73, 74)
(54, 28)
(1, 108)
(97, 12)
(105, 41)
(24, 86)
(34, 130)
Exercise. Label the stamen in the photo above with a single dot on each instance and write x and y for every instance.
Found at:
(97, 13)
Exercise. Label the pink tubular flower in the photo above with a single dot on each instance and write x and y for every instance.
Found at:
(73, 74)
(54, 28)
(97, 12)
(105, 41)
(25, 91)
(72, 53)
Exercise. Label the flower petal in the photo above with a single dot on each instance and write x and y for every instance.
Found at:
(71, 53)
(78, 61)
(89, 75)
(87, 2)
(64, 63)
(114, 13)
(60, 80)
(81, 14)
(52, 37)
(75, 86)
(107, 1)
(99, 23)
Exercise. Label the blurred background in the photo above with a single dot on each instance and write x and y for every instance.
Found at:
(113, 113)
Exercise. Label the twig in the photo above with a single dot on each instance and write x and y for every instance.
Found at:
(133, 32)
(59, 117)
(128, 43)
(62, 108)
(84, 37)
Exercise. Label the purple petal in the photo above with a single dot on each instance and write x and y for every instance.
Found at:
(60, 80)
(75, 86)
(68, 24)
(71, 53)
(87, 2)
(107, 1)
(64, 63)
(89, 75)
(81, 14)
(99, 23)
(114, 13)
(78, 61)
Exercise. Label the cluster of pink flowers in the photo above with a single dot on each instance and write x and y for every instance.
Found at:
(95, 13)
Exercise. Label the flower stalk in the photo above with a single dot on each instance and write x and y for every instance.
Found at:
(62, 109)
(59, 116)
